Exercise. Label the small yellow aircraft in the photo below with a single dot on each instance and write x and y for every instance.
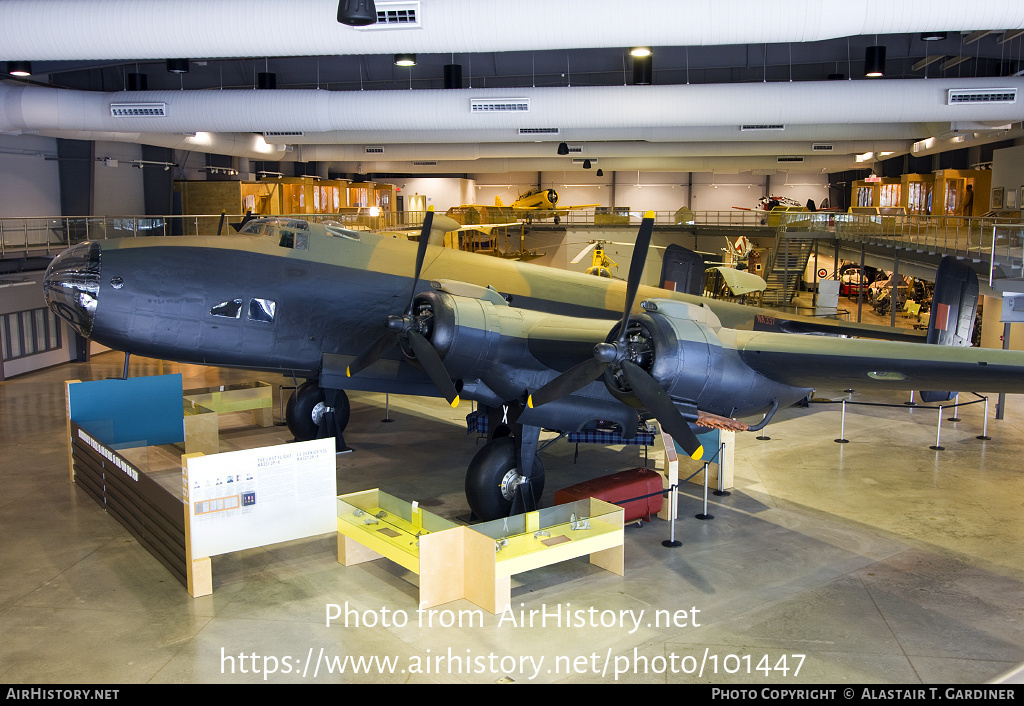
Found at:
(534, 204)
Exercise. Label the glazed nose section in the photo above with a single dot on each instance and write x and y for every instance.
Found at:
(72, 285)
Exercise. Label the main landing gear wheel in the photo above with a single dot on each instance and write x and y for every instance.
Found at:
(306, 407)
(492, 478)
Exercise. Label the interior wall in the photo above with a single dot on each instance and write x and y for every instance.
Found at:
(442, 192)
(29, 179)
(118, 190)
(1008, 169)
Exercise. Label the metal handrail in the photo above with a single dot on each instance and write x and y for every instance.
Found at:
(998, 241)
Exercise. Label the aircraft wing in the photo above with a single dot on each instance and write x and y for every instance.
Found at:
(863, 364)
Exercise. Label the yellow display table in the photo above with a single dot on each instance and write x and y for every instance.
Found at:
(475, 563)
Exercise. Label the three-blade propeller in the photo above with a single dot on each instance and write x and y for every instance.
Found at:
(406, 328)
(615, 356)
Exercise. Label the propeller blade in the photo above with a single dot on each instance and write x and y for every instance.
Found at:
(372, 352)
(659, 404)
(573, 379)
(421, 253)
(636, 268)
(427, 355)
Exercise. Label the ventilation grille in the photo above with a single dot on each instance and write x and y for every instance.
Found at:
(134, 110)
(374, 150)
(960, 96)
(581, 160)
(425, 164)
(282, 133)
(539, 130)
(499, 105)
(789, 159)
(820, 147)
(403, 14)
(748, 128)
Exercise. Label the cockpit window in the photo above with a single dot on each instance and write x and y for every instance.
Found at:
(228, 310)
(262, 310)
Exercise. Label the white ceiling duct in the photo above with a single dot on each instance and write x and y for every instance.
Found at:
(158, 29)
(592, 150)
(630, 108)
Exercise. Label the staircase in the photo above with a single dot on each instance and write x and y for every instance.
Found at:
(784, 273)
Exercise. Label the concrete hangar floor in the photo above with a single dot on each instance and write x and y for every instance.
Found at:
(875, 561)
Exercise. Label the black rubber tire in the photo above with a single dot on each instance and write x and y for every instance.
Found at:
(486, 472)
(301, 405)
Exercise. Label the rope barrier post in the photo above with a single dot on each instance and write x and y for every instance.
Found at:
(721, 492)
(704, 515)
(673, 514)
(938, 434)
(764, 436)
(842, 428)
(911, 403)
(956, 409)
(387, 409)
(984, 434)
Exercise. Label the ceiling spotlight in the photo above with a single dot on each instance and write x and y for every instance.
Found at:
(643, 70)
(874, 61)
(563, 149)
(19, 68)
(177, 66)
(405, 59)
(932, 36)
(586, 164)
(357, 13)
(640, 51)
(600, 172)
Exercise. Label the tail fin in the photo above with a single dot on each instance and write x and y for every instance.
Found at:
(682, 270)
(497, 201)
(954, 308)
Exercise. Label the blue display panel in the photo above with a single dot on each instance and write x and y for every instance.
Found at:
(124, 414)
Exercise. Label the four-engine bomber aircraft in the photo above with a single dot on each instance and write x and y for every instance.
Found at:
(534, 346)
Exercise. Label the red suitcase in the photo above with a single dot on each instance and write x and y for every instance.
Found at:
(637, 490)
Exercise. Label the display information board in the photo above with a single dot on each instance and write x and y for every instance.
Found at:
(251, 498)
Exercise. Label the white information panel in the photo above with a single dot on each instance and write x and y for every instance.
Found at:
(244, 499)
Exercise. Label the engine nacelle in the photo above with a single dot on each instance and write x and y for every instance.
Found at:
(678, 344)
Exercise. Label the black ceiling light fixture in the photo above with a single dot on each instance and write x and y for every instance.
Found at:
(357, 13)
(266, 80)
(136, 82)
(643, 68)
(932, 36)
(586, 164)
(19, 68)
(874, 61)
(600, 172)
(177, 66)
(563, 149)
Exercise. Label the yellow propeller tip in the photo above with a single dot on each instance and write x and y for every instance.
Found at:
(348, 371)
(455, 402)
(648, 214)
(698, 453)
(529, 401)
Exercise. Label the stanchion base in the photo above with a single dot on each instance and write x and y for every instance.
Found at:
(984, 438)
(953, 419)
(386, 421)
(910, 404)
(841, 441)
(721, 493)
(673, 543)
(937, 448)
(763, 438)
(705, 517)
